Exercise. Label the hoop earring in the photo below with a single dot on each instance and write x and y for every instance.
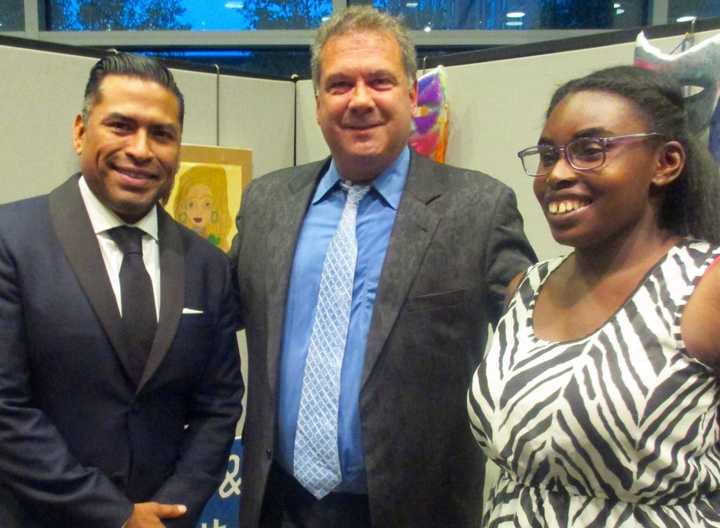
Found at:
(214, 217)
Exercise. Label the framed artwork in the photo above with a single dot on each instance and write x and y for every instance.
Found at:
(208, 189)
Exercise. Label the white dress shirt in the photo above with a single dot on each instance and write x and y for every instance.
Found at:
(102, 220)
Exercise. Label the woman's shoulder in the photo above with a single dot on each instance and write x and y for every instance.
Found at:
(698, 250)
(529, 281)
(700, 331)
(538, 273)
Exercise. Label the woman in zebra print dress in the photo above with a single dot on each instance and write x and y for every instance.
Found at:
(598, 398)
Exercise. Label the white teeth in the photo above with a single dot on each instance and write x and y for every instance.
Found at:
(565, 206)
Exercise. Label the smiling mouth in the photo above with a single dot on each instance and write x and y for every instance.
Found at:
(562, 207)
(133, 173)
(362, 127)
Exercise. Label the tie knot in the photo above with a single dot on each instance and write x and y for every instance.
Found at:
(355, 193)
(128, 239)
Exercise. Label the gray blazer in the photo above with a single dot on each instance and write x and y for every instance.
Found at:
(457, 241)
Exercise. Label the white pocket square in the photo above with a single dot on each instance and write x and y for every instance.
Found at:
(191, 311)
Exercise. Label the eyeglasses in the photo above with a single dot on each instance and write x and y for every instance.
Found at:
(583, 153)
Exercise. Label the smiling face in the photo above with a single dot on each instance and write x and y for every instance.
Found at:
(198, 206)
(364, 102)
(129, 147)
(621, 198)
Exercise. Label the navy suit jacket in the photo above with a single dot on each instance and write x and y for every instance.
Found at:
(79, 441)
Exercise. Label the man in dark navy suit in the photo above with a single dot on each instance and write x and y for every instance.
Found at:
(120, 385)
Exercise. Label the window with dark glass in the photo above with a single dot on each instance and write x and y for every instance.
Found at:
(273, 62)
(685, 9)
(428, 15)
(12, 15)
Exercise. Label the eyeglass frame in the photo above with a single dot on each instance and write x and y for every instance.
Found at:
(562, 150)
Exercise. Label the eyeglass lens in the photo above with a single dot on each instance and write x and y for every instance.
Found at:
(582, 153)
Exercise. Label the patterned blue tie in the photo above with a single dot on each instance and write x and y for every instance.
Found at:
(316, 463)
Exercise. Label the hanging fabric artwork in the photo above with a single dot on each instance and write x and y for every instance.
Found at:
(430, 131)
(695, 67)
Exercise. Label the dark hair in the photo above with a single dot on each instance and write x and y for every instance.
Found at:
(129, 65)
(690, 206)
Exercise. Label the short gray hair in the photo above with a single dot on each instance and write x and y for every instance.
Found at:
(358, 19)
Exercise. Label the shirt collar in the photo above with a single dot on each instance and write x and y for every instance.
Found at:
(103, 219)
(389, 184)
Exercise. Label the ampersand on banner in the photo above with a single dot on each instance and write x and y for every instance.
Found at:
(223, 508)
(233, 481)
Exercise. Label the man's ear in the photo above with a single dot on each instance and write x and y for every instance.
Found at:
(317, 108)
(413, 95)
(78, 133)
(670, 163)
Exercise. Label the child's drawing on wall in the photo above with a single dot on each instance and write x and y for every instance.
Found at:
(201, 203)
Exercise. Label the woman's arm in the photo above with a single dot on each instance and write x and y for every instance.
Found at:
(701, 320)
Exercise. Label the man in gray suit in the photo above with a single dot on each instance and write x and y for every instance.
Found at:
(367, 282)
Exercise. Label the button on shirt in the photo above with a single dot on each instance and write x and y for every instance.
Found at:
(375, 219)
(102, 220)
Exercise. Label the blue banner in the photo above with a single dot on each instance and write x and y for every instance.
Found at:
(223, 508)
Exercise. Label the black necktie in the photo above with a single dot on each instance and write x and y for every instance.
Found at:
(136, 294)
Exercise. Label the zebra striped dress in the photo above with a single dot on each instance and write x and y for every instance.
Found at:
(619, 428)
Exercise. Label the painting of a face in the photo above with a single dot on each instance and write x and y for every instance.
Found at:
(208, 189)
(197, 208)
(201, 203)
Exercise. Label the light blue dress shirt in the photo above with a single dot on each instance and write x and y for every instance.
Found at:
(375, 219)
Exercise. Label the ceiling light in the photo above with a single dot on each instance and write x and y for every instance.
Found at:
(687, 18)
(616, 5)
(515, 14)
(514, 23)
(411, 4)
(427, 29)
(234, 5)
(619, 11)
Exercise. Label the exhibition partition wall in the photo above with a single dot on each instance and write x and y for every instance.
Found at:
(497, 99)
(41, 92)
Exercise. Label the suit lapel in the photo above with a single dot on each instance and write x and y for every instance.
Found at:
(79, 242)
(414, 227)
(172, 279)
(282, 240)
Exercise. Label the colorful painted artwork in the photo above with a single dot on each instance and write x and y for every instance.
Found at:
(431, 120)
(201, 203)
(697, 67)
(208, 189)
